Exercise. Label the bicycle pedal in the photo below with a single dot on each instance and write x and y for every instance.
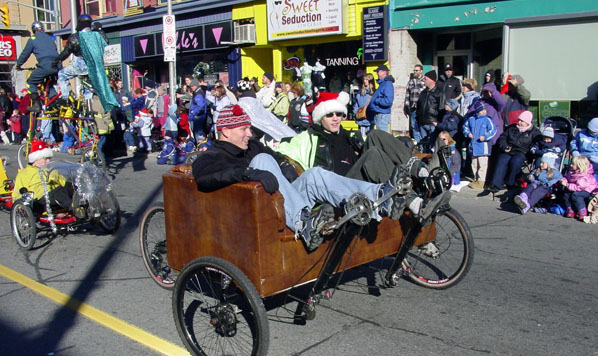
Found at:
(327, 294)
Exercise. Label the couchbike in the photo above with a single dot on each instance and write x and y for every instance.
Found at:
(94, 202)
(223, 252)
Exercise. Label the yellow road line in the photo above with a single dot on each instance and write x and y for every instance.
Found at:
(141, 336)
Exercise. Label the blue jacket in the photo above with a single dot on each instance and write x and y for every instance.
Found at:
(450, 122)
(585, 145)
(557, 145)
(198, 109)
(479, 126)
(541, 178)
(137, 104)
(383, 97)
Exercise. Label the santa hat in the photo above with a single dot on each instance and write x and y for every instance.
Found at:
(39, 150)
(142, 113)
(232, 116)
(330, 102)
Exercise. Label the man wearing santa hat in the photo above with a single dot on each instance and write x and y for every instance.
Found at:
(59, 190)
(235, 157)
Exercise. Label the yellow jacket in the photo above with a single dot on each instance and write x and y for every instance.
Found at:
(28, 177)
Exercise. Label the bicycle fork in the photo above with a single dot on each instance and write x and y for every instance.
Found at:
(406, 245)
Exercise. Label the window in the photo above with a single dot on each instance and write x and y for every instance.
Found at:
(92, 7)
(110, 6)
(44, 17)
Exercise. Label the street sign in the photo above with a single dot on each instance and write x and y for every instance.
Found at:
(375, 33)
(169, 38)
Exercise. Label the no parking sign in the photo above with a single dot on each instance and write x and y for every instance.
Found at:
(169, 38)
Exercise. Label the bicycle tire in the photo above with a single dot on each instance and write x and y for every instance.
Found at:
(450, 258)
(152, 243)
(91, 155)
(22, 156)
(22, 223)
(110, 222)
(218, 311)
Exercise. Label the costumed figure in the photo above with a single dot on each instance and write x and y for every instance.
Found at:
(306, 71)
(318, 74)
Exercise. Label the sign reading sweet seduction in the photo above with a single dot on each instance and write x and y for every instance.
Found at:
(288, 19)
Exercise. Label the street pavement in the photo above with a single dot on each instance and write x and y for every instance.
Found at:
(531, 290)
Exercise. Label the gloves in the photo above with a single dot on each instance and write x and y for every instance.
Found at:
(267, 179)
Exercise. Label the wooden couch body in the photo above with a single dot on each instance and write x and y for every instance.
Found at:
(246, 226)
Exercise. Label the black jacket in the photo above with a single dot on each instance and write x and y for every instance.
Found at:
(336, 152)
(520, 142)
(223, 164)
(452, 87)
(430, 106)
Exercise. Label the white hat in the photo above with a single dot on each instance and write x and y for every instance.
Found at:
(330, 102)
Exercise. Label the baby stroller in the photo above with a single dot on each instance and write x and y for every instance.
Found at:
(562, 126)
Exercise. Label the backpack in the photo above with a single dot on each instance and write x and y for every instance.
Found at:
(296, 120)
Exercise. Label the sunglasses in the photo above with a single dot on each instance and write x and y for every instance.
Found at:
(331, 114)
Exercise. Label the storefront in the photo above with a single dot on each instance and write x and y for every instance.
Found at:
(292, 33)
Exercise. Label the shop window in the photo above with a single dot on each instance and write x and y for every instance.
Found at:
(92, 8)
(46, 18)
(110, 6)
(132, 7)
(114, 73)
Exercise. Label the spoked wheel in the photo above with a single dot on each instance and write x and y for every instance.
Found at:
(91, 155)
(218, 311)
(152, 241)
(110, 212)
(443, 262)
(191, 157)
(22, 156)
(22, 223)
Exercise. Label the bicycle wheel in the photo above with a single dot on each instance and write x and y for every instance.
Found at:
(192, 157)
(218, 311)
(22, 223)
(152, 242)
(443, 262)
(109, 220)
(91, 155)
(22, 156)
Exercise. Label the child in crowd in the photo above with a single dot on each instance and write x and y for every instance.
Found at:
(451, 119)
(579, 183)
(480, 129)
(138, 102)
(551, 143)
(129, 131)
(144, 123)
(454, 162)
(15, 126)
(539, 184)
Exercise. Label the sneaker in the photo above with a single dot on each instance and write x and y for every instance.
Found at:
(476, 184)
(432, 207)
(570, 213)
(521, 203)
(315, 226)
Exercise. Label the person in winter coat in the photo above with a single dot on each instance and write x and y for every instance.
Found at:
(281, 103)
(515, 142)
(362, 101)
(517, 99)
(468, 95)
(450, 84)
(539, 183)
(480, 129)
(138, 102)
(451, 119)
(382, 99)
(198, 111)
(299, 118)
(494, 103)
(586, 143)
(579, 184)
(143, 121)
(454, 161)
(430, 106)
(327, 145)
(551, 143)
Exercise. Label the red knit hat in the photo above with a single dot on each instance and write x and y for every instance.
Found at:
(330, 102)
(232, 116)
(39, 150)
